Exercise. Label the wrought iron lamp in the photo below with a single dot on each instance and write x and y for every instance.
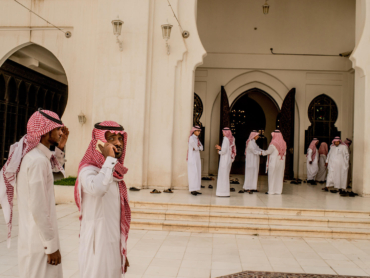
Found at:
(166, 33)
(117, 27)
(265, 8)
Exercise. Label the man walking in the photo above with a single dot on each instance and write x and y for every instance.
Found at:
(29, 168)
(101, 196)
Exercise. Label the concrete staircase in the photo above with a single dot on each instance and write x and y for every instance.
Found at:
(250, 220)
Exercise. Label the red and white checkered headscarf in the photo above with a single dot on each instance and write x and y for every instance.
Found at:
(348, 142)
(229, 135)
(37, 126)
(94, 158)
(279, 143)
(313, 147)
(195, 128)
(323, 149)
(251, 136)
(337, 139)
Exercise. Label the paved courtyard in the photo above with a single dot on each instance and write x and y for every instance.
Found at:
(160, 254)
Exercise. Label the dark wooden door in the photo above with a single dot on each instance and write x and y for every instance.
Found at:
(285, 122)
(224, 112)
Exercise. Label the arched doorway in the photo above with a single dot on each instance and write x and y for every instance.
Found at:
(251, 110)
(30, 78)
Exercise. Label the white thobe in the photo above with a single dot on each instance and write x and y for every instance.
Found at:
(38, 229)
(321, 174)
(252, 165)
(276, 167)
(338, 163)
(194, 164)
(100, 254)
(312, 168)
(223, 176)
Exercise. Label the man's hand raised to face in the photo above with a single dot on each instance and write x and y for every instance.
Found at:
(108, 150)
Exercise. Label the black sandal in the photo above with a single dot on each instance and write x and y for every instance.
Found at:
(241, 191)
(202, 186)
(155, 191)
(168, 190)
(232, 189)
(134, 189)
(194, 193)
(210, 186)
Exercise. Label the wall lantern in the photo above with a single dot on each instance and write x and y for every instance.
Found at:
(117, 27)
(81, 118)
(166, 33)
(265, 8)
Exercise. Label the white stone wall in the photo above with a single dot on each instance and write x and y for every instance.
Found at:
(142, 87)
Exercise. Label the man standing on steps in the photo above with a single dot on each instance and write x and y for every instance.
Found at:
(252, 163)
(276, 163)
(101, 197)
(194, 162)
(337, 163)
(312, 162)
(227, 153)
(262, 144)
(29, 168)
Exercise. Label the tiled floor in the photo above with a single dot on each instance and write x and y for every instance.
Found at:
(294, 196)
(163, 254)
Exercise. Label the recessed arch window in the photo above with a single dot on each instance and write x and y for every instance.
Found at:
(198, 110)
(322, 113)
(197, 114)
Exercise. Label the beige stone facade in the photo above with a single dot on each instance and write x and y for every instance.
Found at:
(151, 93)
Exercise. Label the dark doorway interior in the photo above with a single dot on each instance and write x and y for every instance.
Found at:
(22, 92)
(245, 115)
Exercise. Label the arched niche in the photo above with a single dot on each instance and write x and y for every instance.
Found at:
(23, 90)
(2, 88)
(11, 92)
(322, 114)
(22, 93)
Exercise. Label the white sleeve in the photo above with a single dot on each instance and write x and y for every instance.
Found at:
(346, 157)
(224, 147)
(327, 158)
(39, 207)
(309, 155)
(201, 147)
(60, 156)
(97, 184)
(254, 148)
(194, 144)
(269, 151)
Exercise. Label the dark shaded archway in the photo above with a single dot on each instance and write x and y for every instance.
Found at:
(252, 110)
(24, 89)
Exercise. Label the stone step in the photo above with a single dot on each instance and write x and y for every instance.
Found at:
(249, 229)
(242, 218)
(251, 210)
(251, 220)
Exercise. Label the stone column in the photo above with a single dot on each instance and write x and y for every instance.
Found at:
(361, 64)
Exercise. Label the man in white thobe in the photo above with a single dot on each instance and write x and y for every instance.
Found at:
(194, 162)
(227, 153)
(275, 163)
(337, 163)
(101, 196)
(312, 162)
(38, 239)
(252, 164)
